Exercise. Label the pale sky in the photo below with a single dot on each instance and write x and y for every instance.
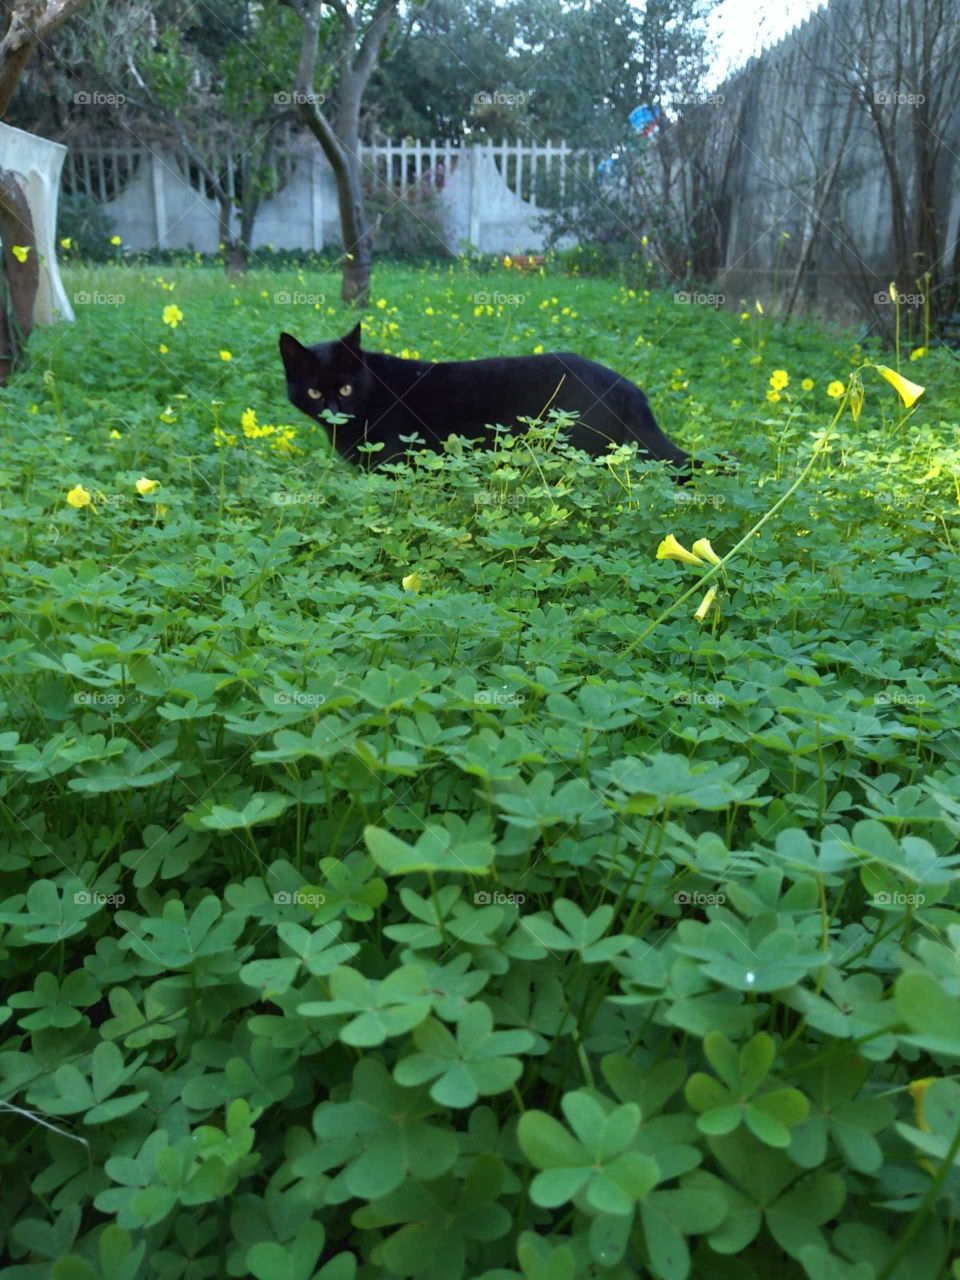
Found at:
(744, 27)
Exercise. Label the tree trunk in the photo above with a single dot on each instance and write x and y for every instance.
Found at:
(18, 280)
(342, 151)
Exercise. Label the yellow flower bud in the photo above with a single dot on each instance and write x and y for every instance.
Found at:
(671, 549)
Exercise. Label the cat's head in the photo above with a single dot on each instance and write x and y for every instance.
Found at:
(331, 375)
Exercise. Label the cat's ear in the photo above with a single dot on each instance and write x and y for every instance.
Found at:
(351, 343)
(296, 357)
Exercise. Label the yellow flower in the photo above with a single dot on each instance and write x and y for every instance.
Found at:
(115, 240)
(429, 311)
(918, 353)
(835, 390)
(670, 549)
(412, 581)
(115, 434)
(78, 497)
(806, 384)
(381, 303)
(917, 1090)
(703, 549)
(145, 486)
(538, 349)
(248, 420)
(172, 315)
(66, 243)
(163, 348)
(226, 355)
(20, 252)
(744, 315)
(162, 509)
(909, 392)
(779, 379)
(508, 262)
(168, 415)
(773, 396)
(705, 604)
(759, 308)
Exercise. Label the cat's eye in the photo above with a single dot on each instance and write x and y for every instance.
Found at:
(347, 390)
(314, 394)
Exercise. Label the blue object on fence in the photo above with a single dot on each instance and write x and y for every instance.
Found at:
(644, 119)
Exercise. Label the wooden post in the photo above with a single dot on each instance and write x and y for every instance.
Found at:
(316, 198)
(159, 200)
(474, 205)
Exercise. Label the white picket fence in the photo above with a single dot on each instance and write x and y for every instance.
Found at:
(489, 196)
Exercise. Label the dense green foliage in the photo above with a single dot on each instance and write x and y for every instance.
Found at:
(382, 896)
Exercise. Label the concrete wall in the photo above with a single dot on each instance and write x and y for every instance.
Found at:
(159, 207)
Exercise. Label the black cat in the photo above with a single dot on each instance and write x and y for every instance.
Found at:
(388, 397)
